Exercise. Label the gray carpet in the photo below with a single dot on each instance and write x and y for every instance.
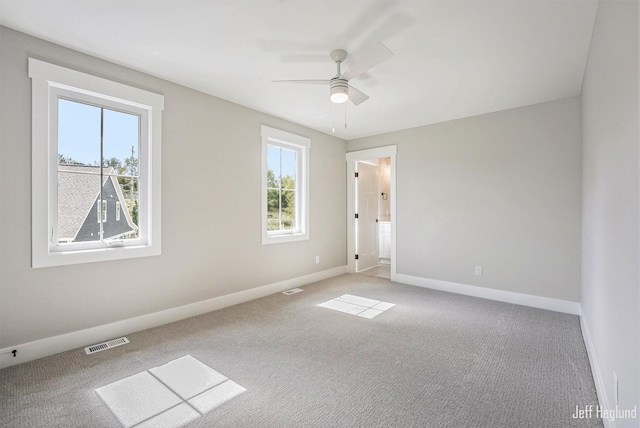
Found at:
(433, 360)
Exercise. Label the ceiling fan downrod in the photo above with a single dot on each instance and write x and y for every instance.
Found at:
(338, 88)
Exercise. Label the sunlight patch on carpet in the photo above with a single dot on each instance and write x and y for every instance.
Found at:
(359, 306)
(170, 395)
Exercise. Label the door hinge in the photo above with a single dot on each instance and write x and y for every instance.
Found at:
(356, 215)
(356, 257)
(356, 175)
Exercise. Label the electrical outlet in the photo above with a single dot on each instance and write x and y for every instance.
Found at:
(317, 259)
(479, 270)
(615, 388)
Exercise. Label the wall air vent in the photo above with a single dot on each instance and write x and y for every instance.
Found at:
(106, 345)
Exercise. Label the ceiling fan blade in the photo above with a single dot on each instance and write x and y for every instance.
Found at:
(308, 82)
(356, 96)
(374, 56)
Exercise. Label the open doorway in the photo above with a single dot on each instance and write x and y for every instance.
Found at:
(371, 206)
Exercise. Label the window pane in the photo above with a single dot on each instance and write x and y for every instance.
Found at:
(288, 210)
(273, 210)
(288, 167)
(78, 133)
(273, 166)
(78, 172)
(121, 142)
(273, 188)
(288, 182)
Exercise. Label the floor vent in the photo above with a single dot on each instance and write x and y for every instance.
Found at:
(293, 291)
(106, 345)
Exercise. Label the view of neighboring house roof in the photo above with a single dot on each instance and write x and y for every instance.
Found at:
(78, 190)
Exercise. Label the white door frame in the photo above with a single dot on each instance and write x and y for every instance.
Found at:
(352, 158)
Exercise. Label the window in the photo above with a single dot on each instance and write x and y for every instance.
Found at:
(102, 213)
(95, 151)
(285, 196)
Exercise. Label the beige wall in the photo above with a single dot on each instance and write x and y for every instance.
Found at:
(611, 207)
(211, 235)
(500, 190)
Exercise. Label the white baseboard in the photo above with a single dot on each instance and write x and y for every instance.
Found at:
(595, 370)
(77, 339)
(539, 302)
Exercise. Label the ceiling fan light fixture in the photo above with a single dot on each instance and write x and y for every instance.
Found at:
(339, 97)
(339, 91)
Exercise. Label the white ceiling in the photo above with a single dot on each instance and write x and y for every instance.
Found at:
(453, 58)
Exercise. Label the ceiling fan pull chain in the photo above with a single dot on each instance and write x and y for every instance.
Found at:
(333, 118)
(345, 115)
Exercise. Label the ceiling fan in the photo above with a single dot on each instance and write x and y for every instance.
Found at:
(339, 88)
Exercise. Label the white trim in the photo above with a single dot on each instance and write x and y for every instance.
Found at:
(301, 145)
(103, 211)
(48, 82)
(352, 158)
(79, 339)
(94, 86)
(284, 137)
(530, 300)
(377, 153)
(601, 391)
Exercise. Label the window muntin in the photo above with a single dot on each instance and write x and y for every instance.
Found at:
(56, 90)
(285, 186)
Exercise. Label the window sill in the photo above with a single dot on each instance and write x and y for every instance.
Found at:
(289, 237)
(63, 258)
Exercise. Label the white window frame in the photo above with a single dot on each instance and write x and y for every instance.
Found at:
(104, 210)
(301, 145)
(117, 211)
(49, 83)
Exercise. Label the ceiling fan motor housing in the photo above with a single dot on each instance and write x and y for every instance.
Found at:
(339, 90)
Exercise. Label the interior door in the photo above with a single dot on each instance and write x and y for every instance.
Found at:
(367, 213)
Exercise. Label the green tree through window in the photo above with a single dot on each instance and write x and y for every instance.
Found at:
(281, 189)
